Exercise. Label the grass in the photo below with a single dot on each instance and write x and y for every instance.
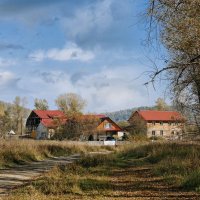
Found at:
(75, 179)
(22, 151)
(173, 161)
(128, 171)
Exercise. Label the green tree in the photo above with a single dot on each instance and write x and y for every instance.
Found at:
(41, 104)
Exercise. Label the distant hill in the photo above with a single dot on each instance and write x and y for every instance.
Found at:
(124, 115)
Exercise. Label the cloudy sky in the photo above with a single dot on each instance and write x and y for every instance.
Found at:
(94, 48)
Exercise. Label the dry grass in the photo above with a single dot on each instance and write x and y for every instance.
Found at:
(133, 171)
(22, 151)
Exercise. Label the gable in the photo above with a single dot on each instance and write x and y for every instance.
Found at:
(49, 118)
(135, 117)
(108, 125)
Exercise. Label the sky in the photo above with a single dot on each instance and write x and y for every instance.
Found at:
(95, 48)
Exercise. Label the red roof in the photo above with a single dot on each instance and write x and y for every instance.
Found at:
(47, 114)
(48, 117)
(50, 123)
(154, 115)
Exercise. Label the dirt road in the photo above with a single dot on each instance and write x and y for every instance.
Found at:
(20, 175)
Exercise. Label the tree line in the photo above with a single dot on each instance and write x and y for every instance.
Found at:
(13, 115)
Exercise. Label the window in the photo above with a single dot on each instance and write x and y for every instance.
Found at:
(107, 126)
(153, 133)
(161, 133)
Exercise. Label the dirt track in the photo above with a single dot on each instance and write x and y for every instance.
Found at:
(23, 174)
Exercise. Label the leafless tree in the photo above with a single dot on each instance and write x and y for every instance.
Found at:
(179, 26)
(70, 103)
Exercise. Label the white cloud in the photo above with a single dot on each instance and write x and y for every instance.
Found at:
(69, 52)
(112, 89)
(6, 62)
(6, 79)
(96, 17)
(109, 89)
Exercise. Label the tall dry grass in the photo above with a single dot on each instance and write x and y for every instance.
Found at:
(22, 151)
(177, 163)
(70, 181)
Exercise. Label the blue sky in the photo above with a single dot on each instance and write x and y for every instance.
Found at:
(94, 48)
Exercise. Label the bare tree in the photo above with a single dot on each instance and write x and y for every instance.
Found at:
(41, 104)
(70, 103)
(5, 121)
(18, 114)
(161, 105)
(77, 125)
(178, 22)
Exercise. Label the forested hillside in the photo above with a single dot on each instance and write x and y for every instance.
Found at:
(123, 115)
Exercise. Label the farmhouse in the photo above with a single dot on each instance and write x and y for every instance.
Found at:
(104, 128)
(41, 124)
(167, 124)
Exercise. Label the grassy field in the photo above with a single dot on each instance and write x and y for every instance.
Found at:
(14, 152)
(148, 171)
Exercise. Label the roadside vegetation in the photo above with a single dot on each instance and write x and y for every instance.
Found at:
(138, 170)
(23, 151)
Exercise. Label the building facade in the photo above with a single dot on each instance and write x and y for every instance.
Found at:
(166, 124)
(103, 128)
(41, 124)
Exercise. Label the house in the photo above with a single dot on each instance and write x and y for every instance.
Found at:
(104, 128)
(41, 124)
(167, 124)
